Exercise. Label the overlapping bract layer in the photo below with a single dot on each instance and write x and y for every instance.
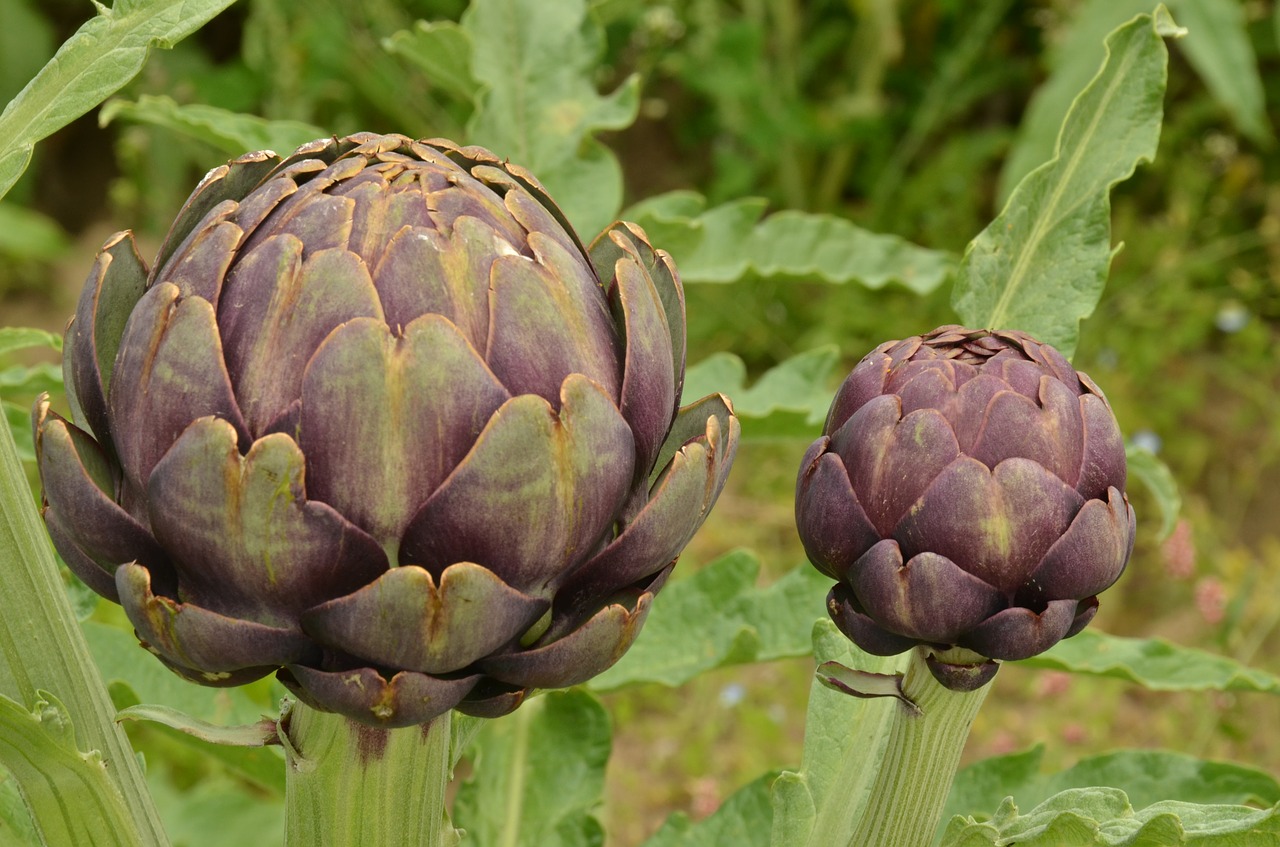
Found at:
(968, 491)
(377, 420)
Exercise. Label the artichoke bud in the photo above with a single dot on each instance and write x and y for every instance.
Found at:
(967, 495)
(377, 421)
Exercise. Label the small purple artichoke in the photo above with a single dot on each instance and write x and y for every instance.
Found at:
(968, 492)
(377, 421)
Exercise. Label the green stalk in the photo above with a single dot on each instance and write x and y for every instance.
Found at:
(353, 784)
(43, 650)
(919, 761)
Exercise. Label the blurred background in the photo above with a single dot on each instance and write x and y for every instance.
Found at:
(912, 117)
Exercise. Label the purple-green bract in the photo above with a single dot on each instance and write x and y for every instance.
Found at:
(376, 420)
(968, 491)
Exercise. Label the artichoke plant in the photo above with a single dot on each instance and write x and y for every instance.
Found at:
(377, 421)
(968, 491)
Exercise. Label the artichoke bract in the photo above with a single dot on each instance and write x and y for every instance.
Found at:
(969, 491)
(377, 421)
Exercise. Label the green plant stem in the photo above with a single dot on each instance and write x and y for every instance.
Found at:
(43, 649)
(838, 817)
(353, 784)
(919, 761)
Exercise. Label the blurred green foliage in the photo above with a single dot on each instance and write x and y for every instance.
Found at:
(909, 119)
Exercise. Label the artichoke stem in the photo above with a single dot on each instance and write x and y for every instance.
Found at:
(919, 761)
(348, 783)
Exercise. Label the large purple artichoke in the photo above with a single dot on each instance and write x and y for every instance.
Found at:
(968, 491)
(378, 421)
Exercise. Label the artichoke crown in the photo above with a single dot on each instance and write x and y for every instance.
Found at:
(968, 491)
(377, 420)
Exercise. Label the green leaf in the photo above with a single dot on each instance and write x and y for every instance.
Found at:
(844, 740)
(725, 243)
(743, 820)
(790, 400)
(136, 678)
(1082, 817)
(104, 54)
(16, 828)
(1153, 663)
(538, 775)
(258, 734)
(18, 420)
(1158, 479)
(231, 132)
(124, 662)
(1217, 46)
(21, 337)
(26, 382)
(442, 51)
(27, 234)
(31, 380)
(70, 796)
(717, 617)
(1040, 266)
(1146, 777)
(1072, 62)
(42, 649)
(26, 40)
(539, 107)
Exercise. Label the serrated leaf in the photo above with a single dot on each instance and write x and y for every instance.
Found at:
(442, 51)
(231, 132)
(72, 801)
(538, 775)
(1083, 817)
(28, 234)
(728, 242)
(717, 617)
(1156, 476)
(743, 820)
(22, 337)
(1146, 777)
(1218, 48)
(104, 54)
(1153, 663)
(790, 400)
(538, 105)
(1040, 266)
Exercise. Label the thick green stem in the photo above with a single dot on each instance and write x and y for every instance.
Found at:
(43, 649)
(919, 761)
(353, 784)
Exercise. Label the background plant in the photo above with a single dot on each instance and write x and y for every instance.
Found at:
(849, 120)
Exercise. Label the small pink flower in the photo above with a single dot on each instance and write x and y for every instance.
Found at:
(1074, 733)
(704, 797)
(1053, 684)
(1211, 599)
(1179, 551)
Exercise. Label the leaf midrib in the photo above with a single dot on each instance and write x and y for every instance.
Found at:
(1050, 218)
